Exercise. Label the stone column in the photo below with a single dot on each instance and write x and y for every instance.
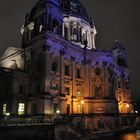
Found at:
(63, 29)
(68, 24)
(47, 68)
(92, 39)
(90, 82)
(78, 32)
(62, 71)
(14, 109)
(87, 76)
(77, 27)
(73, 82)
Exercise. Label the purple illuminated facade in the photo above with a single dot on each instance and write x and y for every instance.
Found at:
(58, 71)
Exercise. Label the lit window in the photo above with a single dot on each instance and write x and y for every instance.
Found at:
(21, 109)
(79, 109)
(79, 89)
(4, 109)
(67, 90)
(79, 92)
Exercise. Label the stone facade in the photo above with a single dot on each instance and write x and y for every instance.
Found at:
(58, 70)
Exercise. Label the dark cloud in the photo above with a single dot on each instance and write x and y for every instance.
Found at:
(114, 19)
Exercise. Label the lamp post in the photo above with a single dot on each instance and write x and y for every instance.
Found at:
(6, 118)
(127, 106)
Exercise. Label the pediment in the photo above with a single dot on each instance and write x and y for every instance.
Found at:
(10, 51)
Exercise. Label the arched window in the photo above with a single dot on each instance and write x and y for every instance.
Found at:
(54, 66)
(97, 71)
(79, 34)
(74, 33)
(21, 108)
(55, 25)
(83, 38)
(66, 32)
(119, 84)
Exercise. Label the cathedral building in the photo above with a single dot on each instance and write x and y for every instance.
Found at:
(59, 70)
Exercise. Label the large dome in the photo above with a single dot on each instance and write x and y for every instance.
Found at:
(68, 7)
(67, 18)
(37, 8)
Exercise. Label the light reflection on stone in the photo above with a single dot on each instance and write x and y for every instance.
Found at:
(131, 136)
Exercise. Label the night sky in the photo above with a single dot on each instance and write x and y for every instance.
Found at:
(114, 19)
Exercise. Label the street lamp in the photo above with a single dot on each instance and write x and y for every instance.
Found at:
(127, 105)
(7, 114)
(82, 102)
(57, 111)
(136, 112)
(127, 108)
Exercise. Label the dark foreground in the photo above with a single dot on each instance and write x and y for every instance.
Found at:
(62, 132)
(41, 132)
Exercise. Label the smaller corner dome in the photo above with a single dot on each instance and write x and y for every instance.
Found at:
(38, 7)
(118, 45)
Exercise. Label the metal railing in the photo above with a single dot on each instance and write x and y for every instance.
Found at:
(19, 121)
